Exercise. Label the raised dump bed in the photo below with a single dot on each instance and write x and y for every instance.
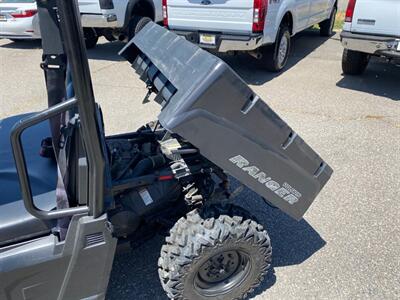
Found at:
(207, 103)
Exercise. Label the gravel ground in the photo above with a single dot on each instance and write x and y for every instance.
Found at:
(348, 244)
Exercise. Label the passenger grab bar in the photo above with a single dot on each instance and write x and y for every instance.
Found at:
(20, 162)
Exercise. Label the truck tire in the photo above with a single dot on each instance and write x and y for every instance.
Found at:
(136, 24)
(275, 56)
(326, 27)
(210, 255)
(354, 62)
(91, 37)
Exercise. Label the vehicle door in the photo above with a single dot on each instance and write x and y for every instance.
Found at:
(302, 14)
(318, 11)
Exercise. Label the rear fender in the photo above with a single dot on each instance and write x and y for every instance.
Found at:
(130, 10)
(271, 29)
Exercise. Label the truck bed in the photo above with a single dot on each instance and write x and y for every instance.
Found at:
(206, 102)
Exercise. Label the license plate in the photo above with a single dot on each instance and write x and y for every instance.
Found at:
(3, 18)
(207, 39)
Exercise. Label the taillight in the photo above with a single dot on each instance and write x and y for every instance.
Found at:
(350, 11)
(24, 13)
(259, 14)
(165, 12)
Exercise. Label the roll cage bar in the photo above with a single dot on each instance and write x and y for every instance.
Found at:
(62, 36)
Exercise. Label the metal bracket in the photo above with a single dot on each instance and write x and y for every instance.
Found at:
(180, 169)
(54, 62)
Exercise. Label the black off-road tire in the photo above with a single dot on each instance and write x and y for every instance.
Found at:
(270, 53)
(214, 233)
(354, 62)
(91, 37)
(326, 27)
(136, 24)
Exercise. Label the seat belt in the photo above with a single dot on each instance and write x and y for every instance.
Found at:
(54, 65)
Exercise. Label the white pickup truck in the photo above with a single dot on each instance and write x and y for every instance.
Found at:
(263, 28)
(372, 27)
(116, 19)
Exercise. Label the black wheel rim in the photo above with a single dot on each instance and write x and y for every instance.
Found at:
(221, 273)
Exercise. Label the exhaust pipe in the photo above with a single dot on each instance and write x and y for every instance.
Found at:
(256, 54)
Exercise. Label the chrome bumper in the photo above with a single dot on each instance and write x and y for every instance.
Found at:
(376, 45)
(226, 42)
(99, 21)
(239, 45)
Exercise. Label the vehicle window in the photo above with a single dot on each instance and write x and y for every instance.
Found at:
(17, 1)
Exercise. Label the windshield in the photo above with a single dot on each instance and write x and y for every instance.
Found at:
(17, 1)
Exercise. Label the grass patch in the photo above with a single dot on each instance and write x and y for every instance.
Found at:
(339, 21)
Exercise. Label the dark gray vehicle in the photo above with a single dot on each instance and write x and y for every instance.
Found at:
(168, 176)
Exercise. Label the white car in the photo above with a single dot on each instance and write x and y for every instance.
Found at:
(263, 28)
(19, 20)
(372, 28)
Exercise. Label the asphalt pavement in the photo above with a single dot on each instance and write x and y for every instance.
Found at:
(348, 244)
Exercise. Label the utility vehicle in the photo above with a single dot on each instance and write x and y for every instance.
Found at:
(371, 28)
(63, 212)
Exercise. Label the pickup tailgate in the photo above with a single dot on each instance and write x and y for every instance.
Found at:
(227, 16)
(381, 17)
(89, 6)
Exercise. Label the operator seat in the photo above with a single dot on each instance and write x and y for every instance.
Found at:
(17, 224)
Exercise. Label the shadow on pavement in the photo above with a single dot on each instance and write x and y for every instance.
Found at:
(106, 51)
(103, 51)
(380, 79)
(251, 69)
(134, 274)
(23, 44)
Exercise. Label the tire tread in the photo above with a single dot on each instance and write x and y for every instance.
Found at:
(354, 62)
(207, 229)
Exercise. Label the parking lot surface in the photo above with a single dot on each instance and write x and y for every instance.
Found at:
(348, 244)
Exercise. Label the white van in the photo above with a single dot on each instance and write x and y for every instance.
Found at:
(263, 28)
(372, 27)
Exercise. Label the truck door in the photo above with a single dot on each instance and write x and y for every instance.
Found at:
(317, 11)
(302, 14)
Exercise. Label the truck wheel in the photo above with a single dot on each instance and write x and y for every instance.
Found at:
(136, 24)
(214, 256)
(326, 27)
(91, 37)
(276, 56)
(354, 62)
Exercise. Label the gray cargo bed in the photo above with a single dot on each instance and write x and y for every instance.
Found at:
(207, 103)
